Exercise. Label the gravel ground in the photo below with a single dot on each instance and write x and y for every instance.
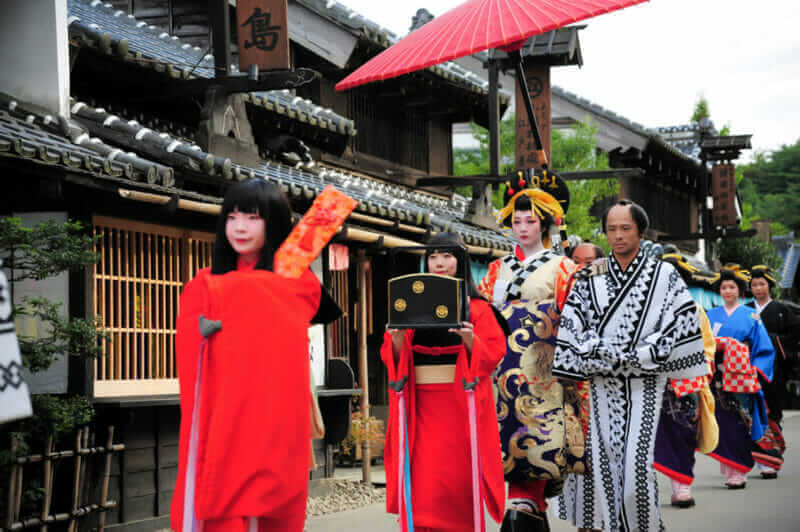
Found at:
(345, 495)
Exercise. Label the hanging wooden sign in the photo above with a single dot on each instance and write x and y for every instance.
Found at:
(263, 34)
(538, 79)
(723, 189)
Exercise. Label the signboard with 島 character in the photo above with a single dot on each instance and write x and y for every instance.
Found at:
(263, 34)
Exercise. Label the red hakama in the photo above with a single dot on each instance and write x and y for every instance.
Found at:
(438, 431)
(253, 424)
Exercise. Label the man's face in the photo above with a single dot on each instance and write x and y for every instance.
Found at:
(621, 231)
(584, 255)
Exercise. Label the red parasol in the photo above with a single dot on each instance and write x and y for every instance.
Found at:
(478, 25)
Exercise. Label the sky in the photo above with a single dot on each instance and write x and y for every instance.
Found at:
(651, 62)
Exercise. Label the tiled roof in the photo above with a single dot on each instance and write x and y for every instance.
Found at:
(53, 140)
(561, 42)
(374, 32)
(653, 135)
(112, 31)
(126, 150)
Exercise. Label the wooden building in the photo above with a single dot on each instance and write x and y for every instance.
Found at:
(132, 158)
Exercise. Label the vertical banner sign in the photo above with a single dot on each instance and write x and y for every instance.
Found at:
(723, 189)
(263, 32)
(538, 78)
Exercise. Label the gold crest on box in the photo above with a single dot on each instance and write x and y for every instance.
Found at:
(426, 300)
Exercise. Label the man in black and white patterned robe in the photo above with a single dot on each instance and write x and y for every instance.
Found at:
(628, 325)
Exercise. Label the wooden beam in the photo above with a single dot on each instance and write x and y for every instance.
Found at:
(457, 181)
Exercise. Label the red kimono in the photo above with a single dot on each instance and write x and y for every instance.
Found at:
(253, 428)
(438, 431)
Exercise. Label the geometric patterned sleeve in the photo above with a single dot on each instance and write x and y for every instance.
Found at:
(683, 387)
(486, 286)
(674, 348)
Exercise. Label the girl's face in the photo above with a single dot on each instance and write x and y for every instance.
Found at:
(729, 291)
(760, 288)
(527, 228)
(246, 233)
(443, 264)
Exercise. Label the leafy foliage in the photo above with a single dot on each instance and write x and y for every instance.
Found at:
(770, 188)
(701, 110)
(59, 336)
(46, 249)
(747, 252)
(36, 253)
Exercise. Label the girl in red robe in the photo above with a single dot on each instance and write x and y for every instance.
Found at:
(241, 464)
(436, 362)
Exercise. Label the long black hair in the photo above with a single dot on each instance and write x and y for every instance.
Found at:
(253, 196)
(463, 271)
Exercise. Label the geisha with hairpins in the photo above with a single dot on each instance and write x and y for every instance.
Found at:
(541, 426)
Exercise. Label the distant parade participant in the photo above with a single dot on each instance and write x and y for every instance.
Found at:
(740, 407)
(537, 416)
(243, 458)
(436, 364)
(629, 325)
(687, 421)
(586, 253)
(783, 328)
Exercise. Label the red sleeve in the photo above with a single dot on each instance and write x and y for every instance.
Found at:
(387, 355)
(486, 286)
(565, 280)
(489, 343)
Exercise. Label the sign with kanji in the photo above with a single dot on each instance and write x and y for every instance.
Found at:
(538, 79)
(263, 32)
(723, 190)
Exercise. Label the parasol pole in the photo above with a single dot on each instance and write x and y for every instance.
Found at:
(516, 55)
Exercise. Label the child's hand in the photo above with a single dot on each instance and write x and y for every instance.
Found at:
(398, 335)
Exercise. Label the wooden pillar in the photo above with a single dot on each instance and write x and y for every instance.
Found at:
(538, 79)
(363, 370)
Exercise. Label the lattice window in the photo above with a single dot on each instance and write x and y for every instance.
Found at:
(136, 287)
(340, 329)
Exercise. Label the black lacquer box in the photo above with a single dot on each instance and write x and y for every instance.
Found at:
(428, 300)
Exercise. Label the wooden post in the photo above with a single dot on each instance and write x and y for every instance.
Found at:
(101, 521)
(12, 485)
(363, 265)
(76, 481)
(47, 482)
(220, 22)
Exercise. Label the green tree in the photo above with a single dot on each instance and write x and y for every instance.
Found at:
(701, 109)
(769, 188)
(572, 150)
(35, 253)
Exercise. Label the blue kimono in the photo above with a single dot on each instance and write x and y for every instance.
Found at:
(744, 325)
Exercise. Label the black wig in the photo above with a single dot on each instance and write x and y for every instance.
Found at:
(729, 275)
(253, 196)
(450, 240)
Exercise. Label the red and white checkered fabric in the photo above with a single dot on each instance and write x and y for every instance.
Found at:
(738, 376)
(683, 387)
